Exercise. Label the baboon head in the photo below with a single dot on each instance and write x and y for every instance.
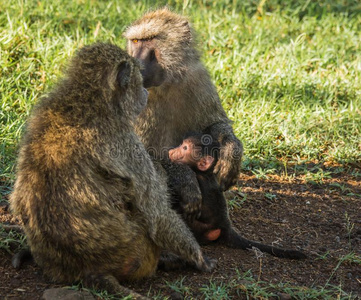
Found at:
(108, 71)
(164, 43)
(198, 151)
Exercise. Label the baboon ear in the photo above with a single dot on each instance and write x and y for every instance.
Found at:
(186, 24)
(188, 31)
(123, 76)
(205, 163)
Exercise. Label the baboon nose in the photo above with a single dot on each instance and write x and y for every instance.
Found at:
(171, 154)
(152, 56)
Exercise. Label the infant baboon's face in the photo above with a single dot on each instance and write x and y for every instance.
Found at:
(186, 153)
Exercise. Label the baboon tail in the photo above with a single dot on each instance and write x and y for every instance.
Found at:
(234, 240)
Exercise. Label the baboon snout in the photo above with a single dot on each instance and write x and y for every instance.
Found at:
(174, 154)
(149, 56)
(145, 55)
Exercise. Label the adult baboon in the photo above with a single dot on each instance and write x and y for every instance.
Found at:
(182, 97)
(200, 152)
(92, 204)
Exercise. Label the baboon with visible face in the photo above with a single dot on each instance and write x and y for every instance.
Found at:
(200, 152)
(182, 97)
(92, 204)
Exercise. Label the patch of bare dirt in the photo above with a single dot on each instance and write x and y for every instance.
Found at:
(322, 220)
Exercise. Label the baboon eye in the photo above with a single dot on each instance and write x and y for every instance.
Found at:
(135, 41)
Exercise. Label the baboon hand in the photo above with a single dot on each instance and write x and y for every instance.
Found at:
(229, 164)
(191, 201)
(207, 264)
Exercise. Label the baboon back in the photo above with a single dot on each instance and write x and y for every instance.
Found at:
(86, 189)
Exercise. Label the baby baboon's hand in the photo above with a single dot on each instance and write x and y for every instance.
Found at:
(191, 201)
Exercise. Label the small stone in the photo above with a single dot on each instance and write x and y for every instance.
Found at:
(349, 275)
(65, 294)
(337, 239)
(176, 296)
(284, 296)
(4, 207)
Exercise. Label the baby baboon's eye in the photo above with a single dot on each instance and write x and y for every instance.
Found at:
(135, 41)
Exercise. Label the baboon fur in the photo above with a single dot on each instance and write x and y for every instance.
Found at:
(87, 192)
(214, 223)
(185, 100)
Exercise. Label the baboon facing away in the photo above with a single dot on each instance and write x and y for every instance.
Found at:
(92, 204)
(200, 152)
(182, 97)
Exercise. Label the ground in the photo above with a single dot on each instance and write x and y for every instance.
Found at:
(323, 219)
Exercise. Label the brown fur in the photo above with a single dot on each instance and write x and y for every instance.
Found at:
(92, 204)
(186, 100)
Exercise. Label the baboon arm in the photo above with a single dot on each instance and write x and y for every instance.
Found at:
(183, 180)
(229, 164)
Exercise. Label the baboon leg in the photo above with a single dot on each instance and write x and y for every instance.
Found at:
(19, 258)
(144, 265)
(110, 284)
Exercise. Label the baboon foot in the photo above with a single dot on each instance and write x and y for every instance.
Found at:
(207, 265)
(111, 285)
(19, 258)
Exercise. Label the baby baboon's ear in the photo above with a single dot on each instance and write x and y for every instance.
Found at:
(205, 163)
(124, 72)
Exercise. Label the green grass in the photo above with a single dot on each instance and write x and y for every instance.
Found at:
(291, 87)
(246, 284)
(288, 74)
(11, 241)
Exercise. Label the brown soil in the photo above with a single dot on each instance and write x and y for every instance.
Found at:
(289, 213)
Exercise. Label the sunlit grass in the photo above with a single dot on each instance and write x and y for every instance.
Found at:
(288, 76)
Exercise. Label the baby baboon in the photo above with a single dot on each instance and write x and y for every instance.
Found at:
(92, 204)
(200, 152)
(182, 97)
